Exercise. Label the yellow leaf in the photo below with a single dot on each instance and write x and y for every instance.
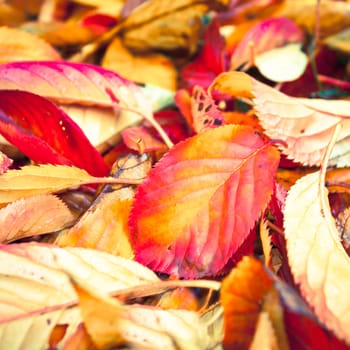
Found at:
(154, 69)
(110, 323)
(237, 84)
(282, 64)
(104, 227)
(318, 261)
(36, 294)
(334, 15)
(31, 180)
(18, 45)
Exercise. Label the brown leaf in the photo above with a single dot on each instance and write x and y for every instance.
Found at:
(169, 26)
(33, 216)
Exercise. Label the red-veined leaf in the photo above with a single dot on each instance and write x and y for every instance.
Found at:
(198, 204)
(45, 134)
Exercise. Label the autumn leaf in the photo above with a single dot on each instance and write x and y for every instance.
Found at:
(318, 260)
(19, 45)
(112, 323)
(210, 61)
(32, 180)
(103, 227)
(264, 36)
(33, 216)
(45, 133)
(244, 301)
(37, 294)
(183, 218)
(305, 125)
(155, 69)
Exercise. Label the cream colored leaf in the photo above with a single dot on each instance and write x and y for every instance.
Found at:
(18, 45)
(36, 295)
(264, 336)
(282, 64)
(318, 261)
(304, 125)
(32, 180)
(34, 215)
(109, 324)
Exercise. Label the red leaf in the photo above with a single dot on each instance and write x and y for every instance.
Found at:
(45, 133)
(198, 204)
(210, 62)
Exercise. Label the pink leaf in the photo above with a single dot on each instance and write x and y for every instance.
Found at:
(80, 83)
(45, 133)
(264, 36)
(210, 62)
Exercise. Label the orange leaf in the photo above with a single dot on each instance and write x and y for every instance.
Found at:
(18, 45)
(104, 227)
(241, 296)
(198, 204)
(33, 216)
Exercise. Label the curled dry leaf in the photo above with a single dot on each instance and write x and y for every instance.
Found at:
(318, 260)
(18, 45)
(167, 26)
(305, 125)
(33, 216)
(183, 219)
(35, 293)
(110, 324)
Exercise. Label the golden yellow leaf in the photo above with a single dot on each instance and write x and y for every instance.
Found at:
(154, 69)
(334, 15)
(104, 227)
(18, 45)
(32, 179)
(318, 261)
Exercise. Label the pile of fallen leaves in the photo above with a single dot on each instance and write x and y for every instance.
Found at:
(174, 174)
